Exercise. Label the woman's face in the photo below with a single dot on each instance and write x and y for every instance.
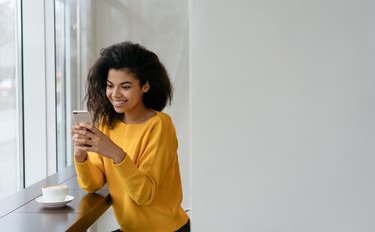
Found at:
(124, 91)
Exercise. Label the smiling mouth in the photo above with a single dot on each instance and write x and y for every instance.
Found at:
(118, 103)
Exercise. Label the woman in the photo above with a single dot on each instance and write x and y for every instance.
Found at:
(134, 146)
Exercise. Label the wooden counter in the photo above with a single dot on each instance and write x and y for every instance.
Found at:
(21, 212)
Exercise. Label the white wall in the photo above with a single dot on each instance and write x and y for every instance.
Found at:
(282, 115)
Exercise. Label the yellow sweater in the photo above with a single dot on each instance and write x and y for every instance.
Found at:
(145, 187)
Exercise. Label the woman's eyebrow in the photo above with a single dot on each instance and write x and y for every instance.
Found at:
(125, 82)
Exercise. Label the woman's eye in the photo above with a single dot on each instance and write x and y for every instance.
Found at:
(126, 87)
(109, 86)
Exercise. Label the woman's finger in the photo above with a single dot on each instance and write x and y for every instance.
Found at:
(82, 148)
(84, 132)
(82, 140)
(88, 126)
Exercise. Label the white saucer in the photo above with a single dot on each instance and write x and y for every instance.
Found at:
(49, 204)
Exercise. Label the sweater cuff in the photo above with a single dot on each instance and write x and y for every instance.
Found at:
(82, 167)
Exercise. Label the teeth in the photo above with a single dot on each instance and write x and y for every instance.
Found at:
(118, 103)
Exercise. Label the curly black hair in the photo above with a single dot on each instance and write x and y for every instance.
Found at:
(137, 60)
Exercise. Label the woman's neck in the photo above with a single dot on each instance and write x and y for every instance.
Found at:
(138, 116)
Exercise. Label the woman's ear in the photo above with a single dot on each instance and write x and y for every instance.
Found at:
(146, 87)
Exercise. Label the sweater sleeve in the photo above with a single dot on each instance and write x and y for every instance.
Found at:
(91, 173)
(141, 180)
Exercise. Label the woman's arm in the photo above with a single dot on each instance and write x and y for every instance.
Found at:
(90, 169)
(154, 168)
(89, 138)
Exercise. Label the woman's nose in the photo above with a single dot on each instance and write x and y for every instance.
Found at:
(116, 92)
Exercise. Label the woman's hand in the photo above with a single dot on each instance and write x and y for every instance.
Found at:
(79, 154)
(88, 138)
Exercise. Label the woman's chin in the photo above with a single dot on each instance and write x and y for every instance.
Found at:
(119, 110)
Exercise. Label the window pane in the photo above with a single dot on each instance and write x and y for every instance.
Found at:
(10, 171)
(60, 84)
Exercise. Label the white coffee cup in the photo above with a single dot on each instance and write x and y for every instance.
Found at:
(54, 193)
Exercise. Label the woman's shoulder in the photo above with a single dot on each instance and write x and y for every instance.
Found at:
(162, 119)
(162, 122)
(163, 116)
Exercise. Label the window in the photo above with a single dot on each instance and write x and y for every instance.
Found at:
(60, 76)
(11, 165)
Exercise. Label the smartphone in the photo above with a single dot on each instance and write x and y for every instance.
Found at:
(81, 116)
